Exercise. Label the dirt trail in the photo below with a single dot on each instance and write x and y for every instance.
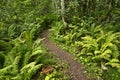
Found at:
(75, 68)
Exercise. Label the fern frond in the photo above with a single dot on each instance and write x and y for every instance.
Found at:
(105, 55)
(97, 52)
(115, 50)
(27, 67)
(89, 43)
(110, 37)
(114, 65)
(9, 58)
(32, 71)
(6, 70)
(114, 61)
(37, 43)
(36, 52)
(28, 70)
(32, 32)
(37, 48)
(26, 58)
(18, 77)
(16, 63)
(11, 31)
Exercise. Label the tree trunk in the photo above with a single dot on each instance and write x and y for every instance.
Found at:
(63, 12)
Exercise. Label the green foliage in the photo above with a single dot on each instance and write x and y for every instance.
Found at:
(24, 59)
(20, 15)
(94, 46)
(92, 35)
(21, 54)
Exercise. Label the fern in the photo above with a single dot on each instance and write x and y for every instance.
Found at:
(57, 30)
(6, 70)
(106, 55)
(11, 31)
(27, 37)
(114, 63)
(37, 43)
(16, 64)
(94, 46)
(33, 70)
(28, 70)
(26, 58)
(36, 52)
(110, 37)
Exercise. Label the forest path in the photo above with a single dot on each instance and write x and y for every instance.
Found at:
(75, 68)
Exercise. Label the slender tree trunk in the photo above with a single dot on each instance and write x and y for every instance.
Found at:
(63, 12)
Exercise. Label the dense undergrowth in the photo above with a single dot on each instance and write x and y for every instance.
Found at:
(97, 48)
(22, 57)
(91, 33)
(93, 36)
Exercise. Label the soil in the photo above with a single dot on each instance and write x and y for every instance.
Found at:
(75, 69)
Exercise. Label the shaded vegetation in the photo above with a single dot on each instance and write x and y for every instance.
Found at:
(22, 57)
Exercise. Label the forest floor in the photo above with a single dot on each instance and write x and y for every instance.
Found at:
(75, 69)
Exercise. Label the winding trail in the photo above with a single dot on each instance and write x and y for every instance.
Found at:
(75, 68)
